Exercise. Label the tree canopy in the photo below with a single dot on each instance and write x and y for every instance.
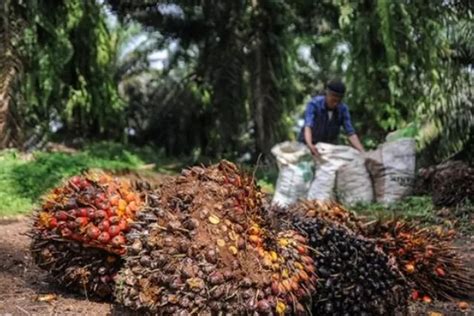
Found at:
(237, 74)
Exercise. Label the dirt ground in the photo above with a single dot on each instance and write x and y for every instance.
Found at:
(23, 286)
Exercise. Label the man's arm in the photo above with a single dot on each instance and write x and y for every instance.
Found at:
(309, 117)
(308, 138)
(350, 131)
(355, 142)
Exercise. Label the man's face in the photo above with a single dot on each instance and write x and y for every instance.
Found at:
(332, 100)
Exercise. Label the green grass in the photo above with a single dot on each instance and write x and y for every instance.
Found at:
(418, 208)
(422, 210)
(24, 179)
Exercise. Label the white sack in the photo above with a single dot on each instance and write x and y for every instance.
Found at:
(353, 183)
(331, 158)
(392, 168)
(295, 166)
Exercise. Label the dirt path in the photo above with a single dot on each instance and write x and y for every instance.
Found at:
(23, 285)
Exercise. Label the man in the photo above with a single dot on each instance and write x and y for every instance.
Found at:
(324, 116)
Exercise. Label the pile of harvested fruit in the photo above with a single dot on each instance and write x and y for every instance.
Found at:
(200, 245)
(79, 232)
(354, 276)
(207, 242)
(427, 257)
(450, 183)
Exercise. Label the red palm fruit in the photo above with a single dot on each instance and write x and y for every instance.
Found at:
(100, 214)
(114, 230)
(114, 200)
(302, 250)
(82, 221)
(104, 225)
(118, 241)
(91, 213)
(82, 212)
(76, 180)
(53, 222)
(101, 196)
(255, 240)
(84, 184)
(123, 224)
(93, 232)
(426, 299)
(66, 232)
(102, 205)
(440, 272)
(307, 260)
(61, 215)
(71, 224)
(300, 238)
(275, 288)
(111, 211)
(303, 275)
(114, 220)
(132, 206)
(415, 295)
(130, 197)
(104, 237)
(76, 237)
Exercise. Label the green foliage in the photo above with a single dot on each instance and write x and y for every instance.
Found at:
(25, 178)
(238, 71)
(69, 70)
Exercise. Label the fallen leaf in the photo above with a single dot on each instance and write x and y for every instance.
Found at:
(435, 314)
(47, 298)
(463, 305)
(220, 242)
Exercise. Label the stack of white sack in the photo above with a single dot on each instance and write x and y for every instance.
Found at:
(344, 173)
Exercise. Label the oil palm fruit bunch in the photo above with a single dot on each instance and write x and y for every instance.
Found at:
(453, 185)
(428, 259)
(84, 270)
(78, 233)
(450, 183)
(354, 277)
(329, 211)
(200, 245)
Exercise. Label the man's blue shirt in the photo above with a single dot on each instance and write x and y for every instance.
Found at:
(326, 129)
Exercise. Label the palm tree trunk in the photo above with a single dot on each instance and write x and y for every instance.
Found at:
(9, 70)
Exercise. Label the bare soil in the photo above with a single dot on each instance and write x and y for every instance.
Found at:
(23, 286)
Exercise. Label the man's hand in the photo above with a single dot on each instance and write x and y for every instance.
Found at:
(314, 150)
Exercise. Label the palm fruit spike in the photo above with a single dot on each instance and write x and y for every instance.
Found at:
(354, 276)
(427, 257)
(201, 245)
(79, 232)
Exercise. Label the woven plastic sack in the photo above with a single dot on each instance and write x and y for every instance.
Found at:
(392, 169)
(331, 158)
(295, 166)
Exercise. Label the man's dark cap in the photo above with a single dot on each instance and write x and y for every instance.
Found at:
(336, 86)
